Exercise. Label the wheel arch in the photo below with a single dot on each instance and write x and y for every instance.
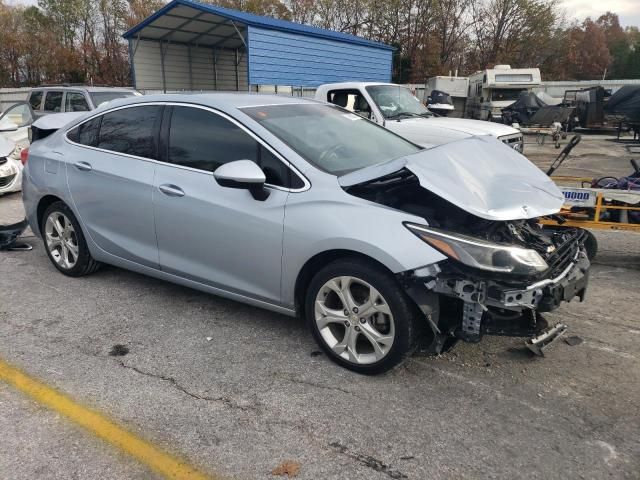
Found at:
(318, 261)
(43, 204)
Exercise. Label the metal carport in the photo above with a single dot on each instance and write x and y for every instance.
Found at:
(188, 45)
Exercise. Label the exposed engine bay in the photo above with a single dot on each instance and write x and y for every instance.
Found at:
(465, 298)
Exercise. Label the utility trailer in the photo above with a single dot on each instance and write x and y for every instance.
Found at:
(605, 203)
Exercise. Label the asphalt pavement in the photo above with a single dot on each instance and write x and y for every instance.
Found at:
(236, 391)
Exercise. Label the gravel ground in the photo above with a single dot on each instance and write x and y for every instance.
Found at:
(236, 391)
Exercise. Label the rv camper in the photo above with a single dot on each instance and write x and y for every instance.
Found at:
(493, 89)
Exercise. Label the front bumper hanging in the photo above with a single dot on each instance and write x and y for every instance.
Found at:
(493, 307)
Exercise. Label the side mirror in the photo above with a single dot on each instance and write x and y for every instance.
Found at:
(243, 174)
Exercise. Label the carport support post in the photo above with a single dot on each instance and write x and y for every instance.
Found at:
(164, 79)
(237, 74)
(190, 68)
(132, 72)
(215, 70)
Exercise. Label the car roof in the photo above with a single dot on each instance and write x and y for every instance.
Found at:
(329, 86)
(87, 88)
(222, 101)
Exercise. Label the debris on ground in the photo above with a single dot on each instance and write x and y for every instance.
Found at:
(316, 353)
(538, 344)
(288, 467)
(119, 350)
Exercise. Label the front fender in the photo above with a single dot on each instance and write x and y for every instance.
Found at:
(314, 225)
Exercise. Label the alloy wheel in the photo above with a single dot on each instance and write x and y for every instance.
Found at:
(354, 320)
(61, 240)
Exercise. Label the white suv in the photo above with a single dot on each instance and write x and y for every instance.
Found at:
(395, 108)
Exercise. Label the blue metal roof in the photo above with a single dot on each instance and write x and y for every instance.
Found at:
(258, 21)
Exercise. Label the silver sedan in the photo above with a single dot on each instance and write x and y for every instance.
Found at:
(306, 209)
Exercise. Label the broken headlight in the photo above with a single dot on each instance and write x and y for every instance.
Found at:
(482, 254)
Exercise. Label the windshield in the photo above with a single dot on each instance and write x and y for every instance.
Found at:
(98, 98)
(506, 94)
(396, 102)
(332, 139)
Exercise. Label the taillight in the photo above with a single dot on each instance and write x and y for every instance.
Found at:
(24, 155)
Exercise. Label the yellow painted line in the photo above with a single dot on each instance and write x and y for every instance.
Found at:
(143, 451)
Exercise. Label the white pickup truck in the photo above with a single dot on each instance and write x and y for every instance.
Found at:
(395, 108)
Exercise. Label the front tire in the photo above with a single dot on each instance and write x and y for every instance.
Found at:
(360, 316)
(65, 243)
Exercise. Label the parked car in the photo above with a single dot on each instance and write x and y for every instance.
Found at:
(73, 98)
(397, 109)
(14, 126)
(10, 169)
(14, 136)
(301, 207)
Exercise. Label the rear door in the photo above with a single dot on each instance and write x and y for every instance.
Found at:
(75, 102)
(219, 236)
(53, 101)
(110, 168)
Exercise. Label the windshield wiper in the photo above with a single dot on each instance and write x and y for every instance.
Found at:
(399, 115)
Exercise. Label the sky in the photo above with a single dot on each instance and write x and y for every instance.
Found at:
(627, 10)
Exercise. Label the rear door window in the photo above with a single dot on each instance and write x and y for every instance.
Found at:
(130, 130)
(35, 99)
(53, 101)
(75, 102)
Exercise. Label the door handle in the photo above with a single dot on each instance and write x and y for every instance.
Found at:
(84, 166)
(171, 190)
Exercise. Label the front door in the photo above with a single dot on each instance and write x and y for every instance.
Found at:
(218, 236)
(110, 172)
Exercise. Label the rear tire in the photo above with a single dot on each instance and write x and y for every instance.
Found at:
(377, 329)
(65, 243)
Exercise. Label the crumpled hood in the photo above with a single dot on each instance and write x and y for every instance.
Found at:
(478, 174)
(6, 146)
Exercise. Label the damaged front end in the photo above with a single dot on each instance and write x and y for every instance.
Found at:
(466, 303)
(500, 273)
